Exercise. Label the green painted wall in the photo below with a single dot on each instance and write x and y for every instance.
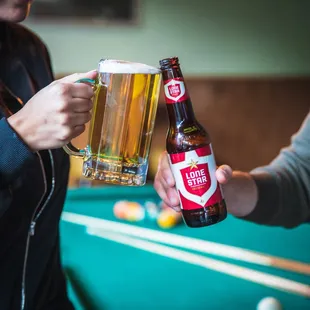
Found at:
(211, 37)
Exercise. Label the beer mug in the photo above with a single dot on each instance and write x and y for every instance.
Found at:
(123, 116)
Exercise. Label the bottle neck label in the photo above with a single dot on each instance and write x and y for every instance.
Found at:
(194, 173)
(175, 90)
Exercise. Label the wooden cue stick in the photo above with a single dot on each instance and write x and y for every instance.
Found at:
(248, 274)
(190, 243)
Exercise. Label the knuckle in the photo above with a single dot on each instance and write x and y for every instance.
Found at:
(156, 184)
(159, 189)
(65, 134)
(63, 105)
(87, 90)
(157, 177)
(91, 91)
(166, 172)
(162, 160)
(64, 119)
(64, 89)
(80, 129)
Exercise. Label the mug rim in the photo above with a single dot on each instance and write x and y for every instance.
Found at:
(111, 65)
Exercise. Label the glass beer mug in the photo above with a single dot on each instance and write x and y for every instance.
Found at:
(123, 116)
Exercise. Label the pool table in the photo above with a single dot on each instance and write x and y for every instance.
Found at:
(107, 274)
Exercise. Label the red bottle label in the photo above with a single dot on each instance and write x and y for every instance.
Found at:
(194, 173)
(175, 90)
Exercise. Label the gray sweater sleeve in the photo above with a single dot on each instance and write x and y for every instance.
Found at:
(284, 185)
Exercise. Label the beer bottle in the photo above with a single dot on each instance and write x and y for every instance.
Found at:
(190, 153)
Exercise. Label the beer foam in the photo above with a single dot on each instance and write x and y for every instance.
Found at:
(126, 67)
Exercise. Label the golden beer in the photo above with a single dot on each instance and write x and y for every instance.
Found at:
(120, 132)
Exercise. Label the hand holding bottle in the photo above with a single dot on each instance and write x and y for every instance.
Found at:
(239, 188)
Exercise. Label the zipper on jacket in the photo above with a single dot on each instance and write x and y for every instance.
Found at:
(34, 218)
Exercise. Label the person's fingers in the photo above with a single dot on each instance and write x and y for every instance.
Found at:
(169, 197)
(177, 209)
(77, 76)
(81, 105)
(164, 174)
(163, 162)
(79, 119)
(173, 199)
(164, 183)
(78, 130)
(82, 90)
(161, 191)
(165, 170)
(224, 174)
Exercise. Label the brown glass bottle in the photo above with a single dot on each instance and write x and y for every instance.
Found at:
(190, 153)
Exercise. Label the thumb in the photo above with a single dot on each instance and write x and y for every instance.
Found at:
(77, 76)
(223, 174)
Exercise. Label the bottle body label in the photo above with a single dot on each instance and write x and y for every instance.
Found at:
(175, 90)
(194, 173)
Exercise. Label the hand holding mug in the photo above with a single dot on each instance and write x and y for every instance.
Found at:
(56, 114)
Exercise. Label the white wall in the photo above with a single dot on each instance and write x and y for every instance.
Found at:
(211, 37)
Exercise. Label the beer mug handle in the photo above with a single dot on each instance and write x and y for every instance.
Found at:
(70, 148)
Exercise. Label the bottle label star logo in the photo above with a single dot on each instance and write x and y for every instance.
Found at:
(193, 164)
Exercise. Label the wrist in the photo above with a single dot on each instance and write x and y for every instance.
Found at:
(241, 194)
(20, 126)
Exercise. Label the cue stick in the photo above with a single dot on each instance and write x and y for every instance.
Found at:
(195, 244)
(248, 274)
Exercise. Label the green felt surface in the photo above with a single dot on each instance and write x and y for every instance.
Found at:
(108, 275)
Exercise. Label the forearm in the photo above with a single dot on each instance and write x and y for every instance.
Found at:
(284, 185)
(267, 197)
(283, 193)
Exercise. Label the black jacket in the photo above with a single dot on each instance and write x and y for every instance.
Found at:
(30, 203)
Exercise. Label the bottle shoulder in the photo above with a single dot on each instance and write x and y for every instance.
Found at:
(186, 138)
